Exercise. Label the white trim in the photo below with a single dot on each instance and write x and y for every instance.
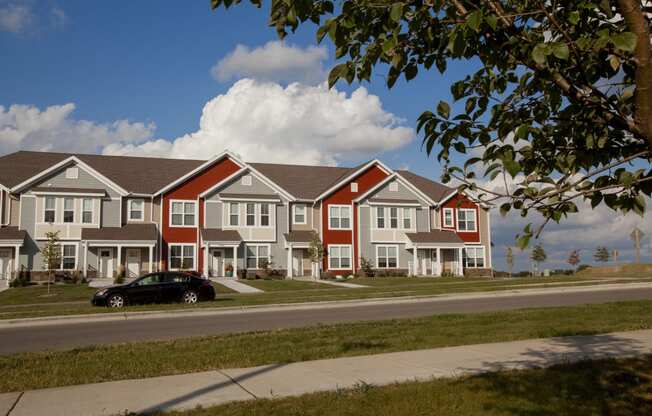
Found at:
(129, 200)
(11, 243)
(443, 218)
(77, 194)
(448, 197)
(489, 262)
(404, 181)
(305, 214)
(340, 246)
(183, 213)
(400, 217)
(398, 256)
(475, 222)
(340, 206)
(353, 230)
(121, 243)
(222, 182)
(353, 175)
(194, 255)
(252, 199)
(257, 257)
(63, 163)
(74, 172)
(396, 204)
(484, 256)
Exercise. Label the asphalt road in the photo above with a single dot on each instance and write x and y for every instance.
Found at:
(67, 335)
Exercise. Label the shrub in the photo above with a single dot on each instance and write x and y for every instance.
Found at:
(327, 276)
(582, 267)
(120, 276)
(76, 277)
(21, 279)
(366, 269)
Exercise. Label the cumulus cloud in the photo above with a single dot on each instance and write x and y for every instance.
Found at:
(25, 16)
(25, 127)
(15, 18)
(265, 121)
(274, 61)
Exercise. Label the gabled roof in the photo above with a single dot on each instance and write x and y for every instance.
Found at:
(434, 190)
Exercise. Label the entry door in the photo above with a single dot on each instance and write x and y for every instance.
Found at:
(5, 263)
(297, 262)
(106, 262)
(217, 263)
(435, 263)
(133, 262)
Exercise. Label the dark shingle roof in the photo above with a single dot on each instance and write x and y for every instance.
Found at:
(299, 236)
(434, 190)
(214, 234)
(250, 196)
(128, 232)
(435, 236)
(12, 233)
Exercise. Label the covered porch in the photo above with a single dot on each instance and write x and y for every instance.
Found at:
(435, 253)
(220, 252)
(108, 249)
(11, 240)
(298, 258)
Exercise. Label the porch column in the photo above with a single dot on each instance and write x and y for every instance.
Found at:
(460, 267)
(235, 262)
(415, 261)
(16, 259)
(85, 249)
(439, 263)
(151, 260)
(207, 249)
(289, 267)
(120, 258)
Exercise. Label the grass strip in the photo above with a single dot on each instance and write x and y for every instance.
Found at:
(26, 371)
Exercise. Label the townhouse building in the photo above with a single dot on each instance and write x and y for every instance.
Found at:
(225, 215)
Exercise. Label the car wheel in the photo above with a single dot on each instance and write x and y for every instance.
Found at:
(190, 296)
(115, 301)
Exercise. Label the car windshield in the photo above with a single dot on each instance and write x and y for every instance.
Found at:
(151, 279)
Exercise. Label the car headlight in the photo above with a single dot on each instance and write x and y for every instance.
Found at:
(102, 292)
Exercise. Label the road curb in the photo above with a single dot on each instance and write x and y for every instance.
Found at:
(114, 316)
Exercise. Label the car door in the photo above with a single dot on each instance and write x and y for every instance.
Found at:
(173, 286)
(147, 289)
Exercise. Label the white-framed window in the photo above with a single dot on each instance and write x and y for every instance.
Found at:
(354, 187)
(183, 213)
(182, 257)
(87, 211)
(68, 259)
(234, 214)
(387, 257)
(50, 212)
(299, 213)
(72, 173)
(264, 215)
(246, 180)
(380, 217)
(136, 210)
(393, 187)
(68, 210)
(256, 253)
(466, 219)
(473, 257)
(393, 218)
(339, 217)
(339, 257)
(407, 218)
(251, 214)
(448, 217)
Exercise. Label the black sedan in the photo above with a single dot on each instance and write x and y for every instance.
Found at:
(161, 287)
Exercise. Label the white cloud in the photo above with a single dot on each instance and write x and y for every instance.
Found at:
(26, 16)
(25, 127)
(15, 18)
(264, 121)
(274, 61)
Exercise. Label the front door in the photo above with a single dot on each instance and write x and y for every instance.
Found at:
(5, 263)
(217, 263)
(133, 262)
(297, 263)
(435, 263)
(106, 262)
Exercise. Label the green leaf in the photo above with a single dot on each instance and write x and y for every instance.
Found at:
(504, 209)
(396, 12)
(560, 50)
(443, 109)
(474, 20)
(335, 74)
(574, 17)
(512, 167)
(538, 54)
(625, 41)
(523, 241)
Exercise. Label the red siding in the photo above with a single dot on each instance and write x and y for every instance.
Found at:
(343, 196)
(461, 201)
(190, 190)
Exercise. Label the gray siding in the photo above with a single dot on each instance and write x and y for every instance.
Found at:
(28, 214)
(365, 249)
(278, 251)
(213, 215)
(402, 192)
(235, 187)
(110, 213)
(85, 180)
(422, 220)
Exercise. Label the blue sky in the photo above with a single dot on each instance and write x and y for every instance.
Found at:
(142, 70)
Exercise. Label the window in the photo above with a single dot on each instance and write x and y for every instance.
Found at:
(136, 210)
(380, 217)
(182, 214)
(68, 210)
(299, 214)
(473, 257)
(72, 173)
(339, 257)
(251, 215)
(393, 217)
(234, 214)
(246, 180)
(466, 220)
(182, 257)
(407, 218)
(448, 217)
(354, 187)
(68, 256)
(50, 209)
(264, 215)
(387, 257)
(393, 187)
(339, 217)
(255, 255)
(87, 211)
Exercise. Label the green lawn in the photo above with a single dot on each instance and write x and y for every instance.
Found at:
(607, 387)
(148, 359)
(71, 299)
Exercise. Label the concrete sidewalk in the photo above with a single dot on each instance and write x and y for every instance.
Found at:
(237, 286)
(279, 380)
